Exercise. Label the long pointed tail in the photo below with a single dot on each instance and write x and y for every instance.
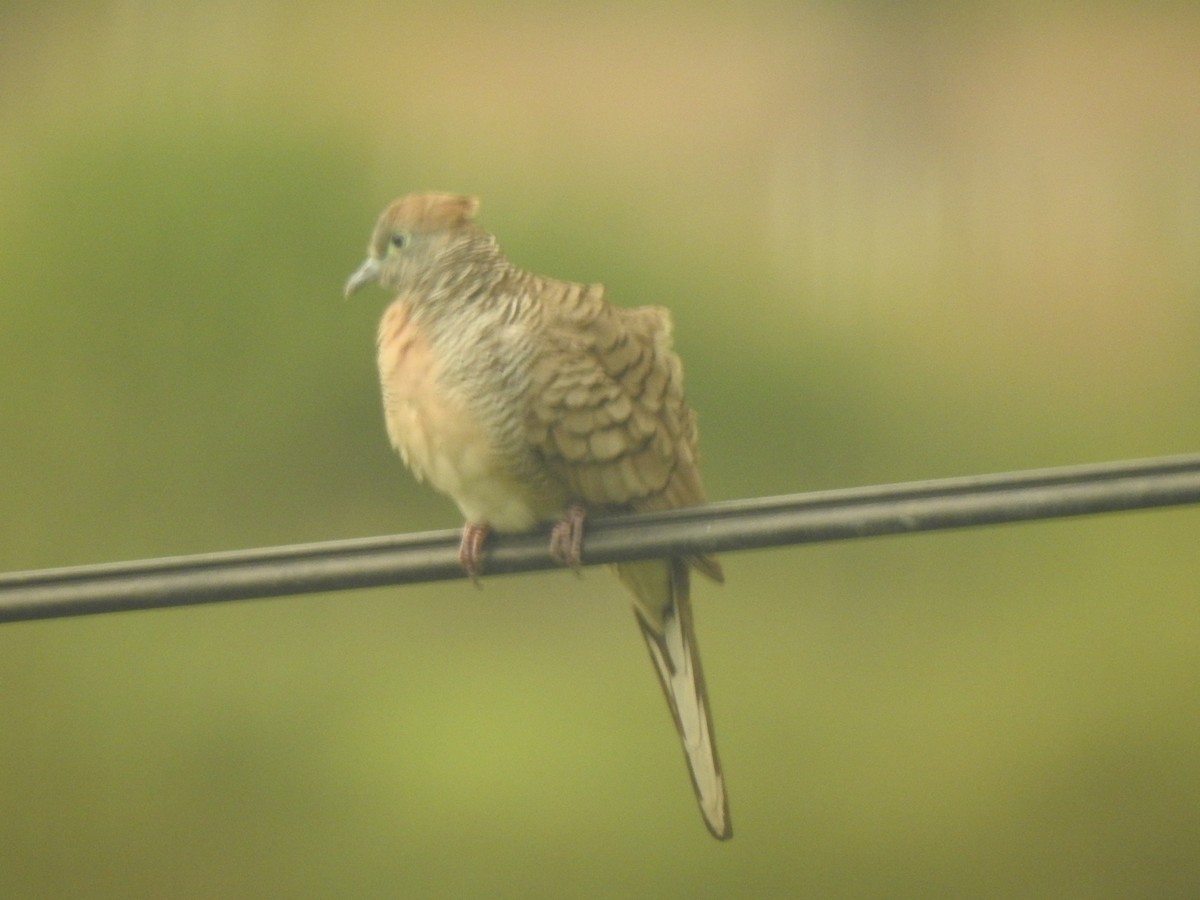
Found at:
(664, 612)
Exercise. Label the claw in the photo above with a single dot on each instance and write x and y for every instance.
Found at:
(470, 549)
(566, 540)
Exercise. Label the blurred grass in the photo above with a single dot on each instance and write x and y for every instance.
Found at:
(896, 244)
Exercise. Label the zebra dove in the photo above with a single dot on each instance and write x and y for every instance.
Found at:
(526, 400)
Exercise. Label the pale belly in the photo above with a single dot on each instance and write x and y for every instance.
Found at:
(442, 442)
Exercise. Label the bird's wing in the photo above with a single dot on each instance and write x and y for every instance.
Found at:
(608, 414)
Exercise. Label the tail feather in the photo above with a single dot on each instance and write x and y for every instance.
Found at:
(664, 612)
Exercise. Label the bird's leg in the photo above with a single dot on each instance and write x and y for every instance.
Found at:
(470, 548)
(566, 540)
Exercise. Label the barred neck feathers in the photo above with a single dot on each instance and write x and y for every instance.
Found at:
(517, 294)
(489, 286)
(465, 274)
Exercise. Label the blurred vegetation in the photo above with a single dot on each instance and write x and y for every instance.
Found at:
(900, 241)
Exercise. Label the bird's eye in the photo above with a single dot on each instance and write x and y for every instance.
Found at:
(399, 239)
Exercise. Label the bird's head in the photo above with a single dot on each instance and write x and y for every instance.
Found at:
(413, 236)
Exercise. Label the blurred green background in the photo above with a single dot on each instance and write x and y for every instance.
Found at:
(900, 241)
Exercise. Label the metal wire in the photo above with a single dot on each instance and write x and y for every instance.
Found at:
(737, 525)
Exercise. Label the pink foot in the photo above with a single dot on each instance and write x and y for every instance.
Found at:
(566, 540)
(470, 548)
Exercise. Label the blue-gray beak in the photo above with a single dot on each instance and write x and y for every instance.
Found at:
(368, 273)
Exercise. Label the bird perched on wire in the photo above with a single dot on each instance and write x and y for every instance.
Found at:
(527, 400)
